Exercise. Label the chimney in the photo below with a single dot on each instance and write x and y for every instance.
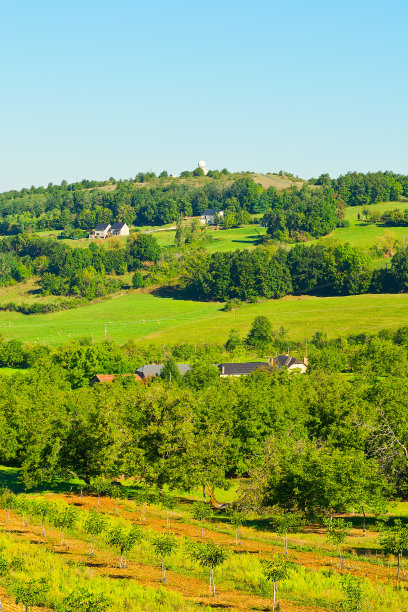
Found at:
(222, 368)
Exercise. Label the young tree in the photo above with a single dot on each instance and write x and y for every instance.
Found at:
(336, 532)
(288, 523)
(201, 512)
(137, 280)
(208, 555)
(117, 492)
(234, 340)
(394, 540)
(170, 371)
(94, 525)
(82, 600)
(237, 520)
(141, 498)
(101, 485)
(276, 570)
(31, 593)
(23, 506)
(353, 590)
(64, 518)
(163, 546)
(261, 333)
(168, 503)
(124, 539)
(42, 509)
(6, 500)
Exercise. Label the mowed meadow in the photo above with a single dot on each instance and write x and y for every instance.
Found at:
(149, 318)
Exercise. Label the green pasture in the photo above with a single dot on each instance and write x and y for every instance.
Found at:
(159, 320)
(363, 234)
(246, 237)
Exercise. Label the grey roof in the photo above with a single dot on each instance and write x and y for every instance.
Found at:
(284, 361)
(210, 212)
(154, 369)
(117, 226)
(101, 227)
(240, 369)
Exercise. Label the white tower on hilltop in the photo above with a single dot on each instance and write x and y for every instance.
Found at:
(201, 164)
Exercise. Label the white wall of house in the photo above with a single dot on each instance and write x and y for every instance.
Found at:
(210, 219)
(124, 231)
(298, 366)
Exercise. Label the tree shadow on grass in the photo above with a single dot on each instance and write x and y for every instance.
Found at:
(255, 240)
(10, 478)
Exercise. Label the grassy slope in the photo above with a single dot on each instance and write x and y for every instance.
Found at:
(166, 320)
(171, 320)
(364, 235)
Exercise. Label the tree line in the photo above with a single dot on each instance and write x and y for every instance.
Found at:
(359, 189)
(267, 272)
(83, 205)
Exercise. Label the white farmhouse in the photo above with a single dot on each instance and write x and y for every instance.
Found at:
(291, 363)
(119, 229)
(101, 230)
(209, 215)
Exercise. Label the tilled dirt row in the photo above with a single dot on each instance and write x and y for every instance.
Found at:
(156, 520)
(106, 564)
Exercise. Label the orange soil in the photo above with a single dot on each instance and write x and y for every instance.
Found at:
(156, 519)
(193, 589)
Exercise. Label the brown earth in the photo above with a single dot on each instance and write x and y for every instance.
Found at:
(156, 520)
(193, 589)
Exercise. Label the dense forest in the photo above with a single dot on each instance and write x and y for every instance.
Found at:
(345, 416)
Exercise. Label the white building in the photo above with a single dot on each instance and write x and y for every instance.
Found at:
(106, 230)
(291, 363)
(209, 215)
(119, 229)
(201, 164)
(101, 230)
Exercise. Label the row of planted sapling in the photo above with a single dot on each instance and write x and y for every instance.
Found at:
(34, 576)
(118, 534)
(124, 536)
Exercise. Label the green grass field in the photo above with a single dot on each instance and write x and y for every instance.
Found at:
(364, 235)
(246, 237)
(148, 318)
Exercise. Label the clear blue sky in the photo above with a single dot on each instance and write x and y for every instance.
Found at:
(94, 89)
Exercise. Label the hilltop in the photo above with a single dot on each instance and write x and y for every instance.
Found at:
(131, 283)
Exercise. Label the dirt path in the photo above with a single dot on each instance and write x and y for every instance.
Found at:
(106, 564)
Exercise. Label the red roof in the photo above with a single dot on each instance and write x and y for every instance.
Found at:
(105, 378)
